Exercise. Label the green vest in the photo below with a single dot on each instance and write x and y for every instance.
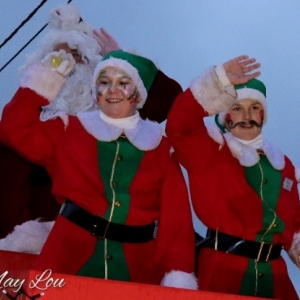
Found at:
(118, 164)
(266, 182)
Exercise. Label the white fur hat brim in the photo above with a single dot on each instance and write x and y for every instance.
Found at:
(129, 69)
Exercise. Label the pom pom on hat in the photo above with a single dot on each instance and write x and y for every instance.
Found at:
(67, 17)
(253, 89)
(66, 26)
(141, 70)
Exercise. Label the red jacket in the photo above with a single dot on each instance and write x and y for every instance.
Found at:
(157, 191)
(223, 200)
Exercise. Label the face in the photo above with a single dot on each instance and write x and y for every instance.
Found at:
(117, 94)
(75, 53)
(245, 119)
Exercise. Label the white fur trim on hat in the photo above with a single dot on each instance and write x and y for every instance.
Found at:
(67, 17)
(180, 279)
(128, 68)
(247, 93)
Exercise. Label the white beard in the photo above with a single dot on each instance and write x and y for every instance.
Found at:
(75, 95)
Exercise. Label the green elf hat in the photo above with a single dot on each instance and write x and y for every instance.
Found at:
(141, 70)
(253, 89)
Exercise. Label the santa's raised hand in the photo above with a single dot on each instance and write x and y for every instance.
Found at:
(105, 41)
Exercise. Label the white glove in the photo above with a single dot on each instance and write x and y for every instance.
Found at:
(105, 41)
(59, 61)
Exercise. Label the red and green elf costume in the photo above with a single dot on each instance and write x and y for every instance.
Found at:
(237, 191)
(125, 175)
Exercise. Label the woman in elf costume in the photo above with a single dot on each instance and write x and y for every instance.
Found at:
(126, 214)
(25, 192)
(242, 187)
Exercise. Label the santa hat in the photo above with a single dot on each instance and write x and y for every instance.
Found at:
(141, 70)
(66, 26)
(253, 89)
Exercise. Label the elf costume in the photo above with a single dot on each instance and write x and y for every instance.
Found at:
(127, 214)
(26, 187)
(245, 193)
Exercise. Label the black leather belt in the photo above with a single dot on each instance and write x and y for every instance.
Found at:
(260, 251)
(102, 228)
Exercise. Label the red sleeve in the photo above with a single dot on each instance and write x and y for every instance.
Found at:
(22, 130)
(186, 130)
(175, 237)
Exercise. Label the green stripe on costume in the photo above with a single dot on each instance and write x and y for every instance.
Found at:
(118, 163)
(266, 181)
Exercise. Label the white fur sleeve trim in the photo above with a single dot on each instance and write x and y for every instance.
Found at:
(221, 73)
(44, 81)
(180, 279)
(297, 174)
(210, 94)
(294, 252)
(28, 237)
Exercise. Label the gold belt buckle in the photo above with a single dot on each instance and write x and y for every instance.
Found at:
(95, 225)
(261, 248)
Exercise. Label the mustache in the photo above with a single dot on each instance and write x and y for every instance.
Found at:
(242, 123)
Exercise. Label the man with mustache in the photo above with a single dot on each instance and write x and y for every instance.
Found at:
(242, 187)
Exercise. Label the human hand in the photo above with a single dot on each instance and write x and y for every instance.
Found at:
(105, 41)
(237, 69)
(59, 61)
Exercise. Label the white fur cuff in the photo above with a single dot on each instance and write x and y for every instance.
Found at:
(28, 237)
(294, 252)
(221, 73)
(44, 81)
(210, 94)
(180, 279)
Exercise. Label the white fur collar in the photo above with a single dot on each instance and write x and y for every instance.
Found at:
(246, 155)
(146, 135)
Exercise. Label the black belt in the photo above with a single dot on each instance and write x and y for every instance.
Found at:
(102, 228)
(260, 251)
